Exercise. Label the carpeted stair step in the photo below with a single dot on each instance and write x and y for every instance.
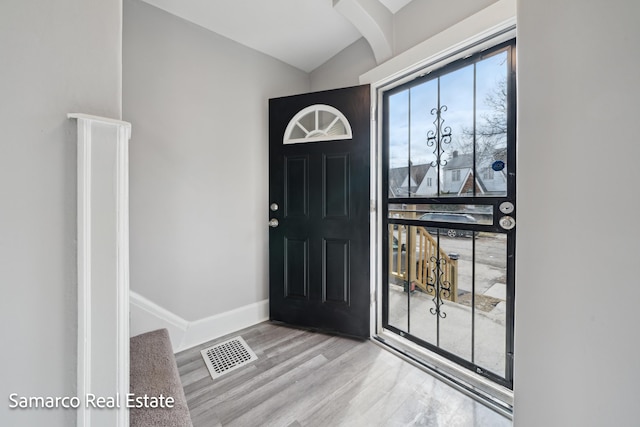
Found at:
(154, 377)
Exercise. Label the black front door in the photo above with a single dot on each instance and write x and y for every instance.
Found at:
(319, 210)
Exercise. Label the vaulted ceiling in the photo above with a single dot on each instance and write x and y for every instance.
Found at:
(302, 33)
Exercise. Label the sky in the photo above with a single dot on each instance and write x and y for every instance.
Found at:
(410, 118)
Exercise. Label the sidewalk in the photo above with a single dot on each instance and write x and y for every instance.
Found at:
(456, 327)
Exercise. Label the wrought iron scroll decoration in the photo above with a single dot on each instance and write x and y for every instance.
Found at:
(441, 288)
(439, 137)
(436, 284)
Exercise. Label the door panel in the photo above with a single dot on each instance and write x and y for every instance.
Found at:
(296, 202)
(336, 260)
(296, 260)
(336, 186)
(319, 246)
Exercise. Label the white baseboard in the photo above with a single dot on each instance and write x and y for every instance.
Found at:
(148, 316)
(225, 323)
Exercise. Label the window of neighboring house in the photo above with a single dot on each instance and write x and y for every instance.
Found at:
(455, 175)
(429, 182)
(488, 174)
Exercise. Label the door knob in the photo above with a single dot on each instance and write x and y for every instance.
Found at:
(507, 222)
(273, 223)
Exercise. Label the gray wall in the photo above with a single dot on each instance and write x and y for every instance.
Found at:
(57, 57)
(343, 69)
(577, 290)
(199, 150)
(422, 19)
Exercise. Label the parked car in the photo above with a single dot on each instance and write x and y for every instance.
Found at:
(450, 217)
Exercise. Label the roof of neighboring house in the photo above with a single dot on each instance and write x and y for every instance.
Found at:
(418, 172)
(459, 161)
(399, 184)
(396, 177)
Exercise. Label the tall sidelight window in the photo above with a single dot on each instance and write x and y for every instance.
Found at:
(449, 239)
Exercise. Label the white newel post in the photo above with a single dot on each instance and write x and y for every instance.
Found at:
(103, 271)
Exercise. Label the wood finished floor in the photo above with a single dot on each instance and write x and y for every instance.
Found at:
(302, 378)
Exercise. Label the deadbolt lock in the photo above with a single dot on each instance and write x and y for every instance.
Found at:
(506, 207)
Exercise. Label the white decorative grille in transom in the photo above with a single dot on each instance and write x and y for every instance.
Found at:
(316, 123)
(227, 356)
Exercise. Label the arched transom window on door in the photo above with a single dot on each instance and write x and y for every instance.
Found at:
(317, 123)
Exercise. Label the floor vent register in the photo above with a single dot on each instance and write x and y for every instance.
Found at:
(227, 356)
